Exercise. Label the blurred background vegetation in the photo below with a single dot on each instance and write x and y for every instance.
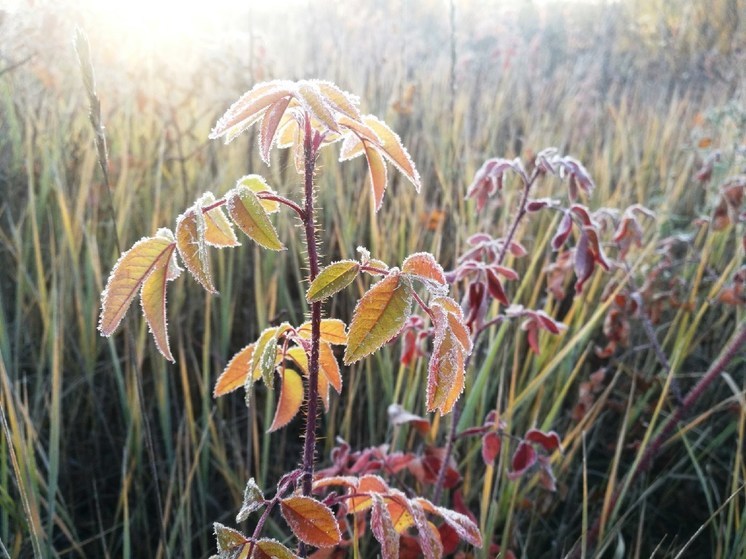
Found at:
(641, 92)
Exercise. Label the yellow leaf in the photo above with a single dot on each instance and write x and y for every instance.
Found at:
(235, 373)
(153, 299)
(271, 549)
(310, 97)
(250, 108)
(311, 521)
(393, 149)
(343, 101)
(369, 484)
(291, 399)
(218, 230)
(127, 276)
(376, 173)
(378, 316)
(257, 184)
(190, 240)
(333, 331)
(247, 212)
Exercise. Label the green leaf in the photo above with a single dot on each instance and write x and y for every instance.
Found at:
(378, 316)
(332, 279)
(247, 212)
(253, 499)
(228, 538)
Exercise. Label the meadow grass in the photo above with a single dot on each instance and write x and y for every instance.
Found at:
(76, 475)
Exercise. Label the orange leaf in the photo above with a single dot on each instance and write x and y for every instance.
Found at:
(271, 549)
(127, 276)
(346, 481)
(329, 367)
(300, 358)
(432, 547)
(424, 266)
(333, 331)
(291, 398)
(377, 173)
(153, 299)
(190, 240)
(235, 373)
(311, 521)
(445, 379)
(393, 149)
(378, 317)
(368, 484)
(397, 504)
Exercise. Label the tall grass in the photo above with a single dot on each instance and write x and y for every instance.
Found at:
(75, 476)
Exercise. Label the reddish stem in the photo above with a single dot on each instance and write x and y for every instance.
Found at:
(313, 260)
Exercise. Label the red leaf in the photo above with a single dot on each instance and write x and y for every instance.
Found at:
(563, 232)
(491, 443)
(523, 459)
(550, 441)
(496, 288)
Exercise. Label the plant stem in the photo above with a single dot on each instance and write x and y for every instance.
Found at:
(456, 413)
(736, 344)
(309, 448)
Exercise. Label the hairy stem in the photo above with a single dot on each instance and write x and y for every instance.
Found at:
(736, 344)
(309, 448)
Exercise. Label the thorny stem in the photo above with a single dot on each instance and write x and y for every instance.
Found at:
(736, 344)
(310, 152)
(456, 413)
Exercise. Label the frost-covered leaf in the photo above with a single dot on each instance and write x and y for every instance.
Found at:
(367, 485)
(257, 184)
(218, 229)
(190, 240)
(377, 174)
(383, 529)
(432, 547)
(271, 549)
(345, 481)
(393, 150)
(310, 97)
(398, 506)
(340, 100)
(127, 276)
(445, 378)
(235, 373)
(333, 331)
(465, 527)
(253, 499)
(228, 539)
(378, 316)
(263, 360)
(250, 108)
(291, 399)
(332, 279)
(312, 522)
(153, 299)
(423, 266)
(399, 416)
(248, 214)
(268, 128)
(352, 147)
